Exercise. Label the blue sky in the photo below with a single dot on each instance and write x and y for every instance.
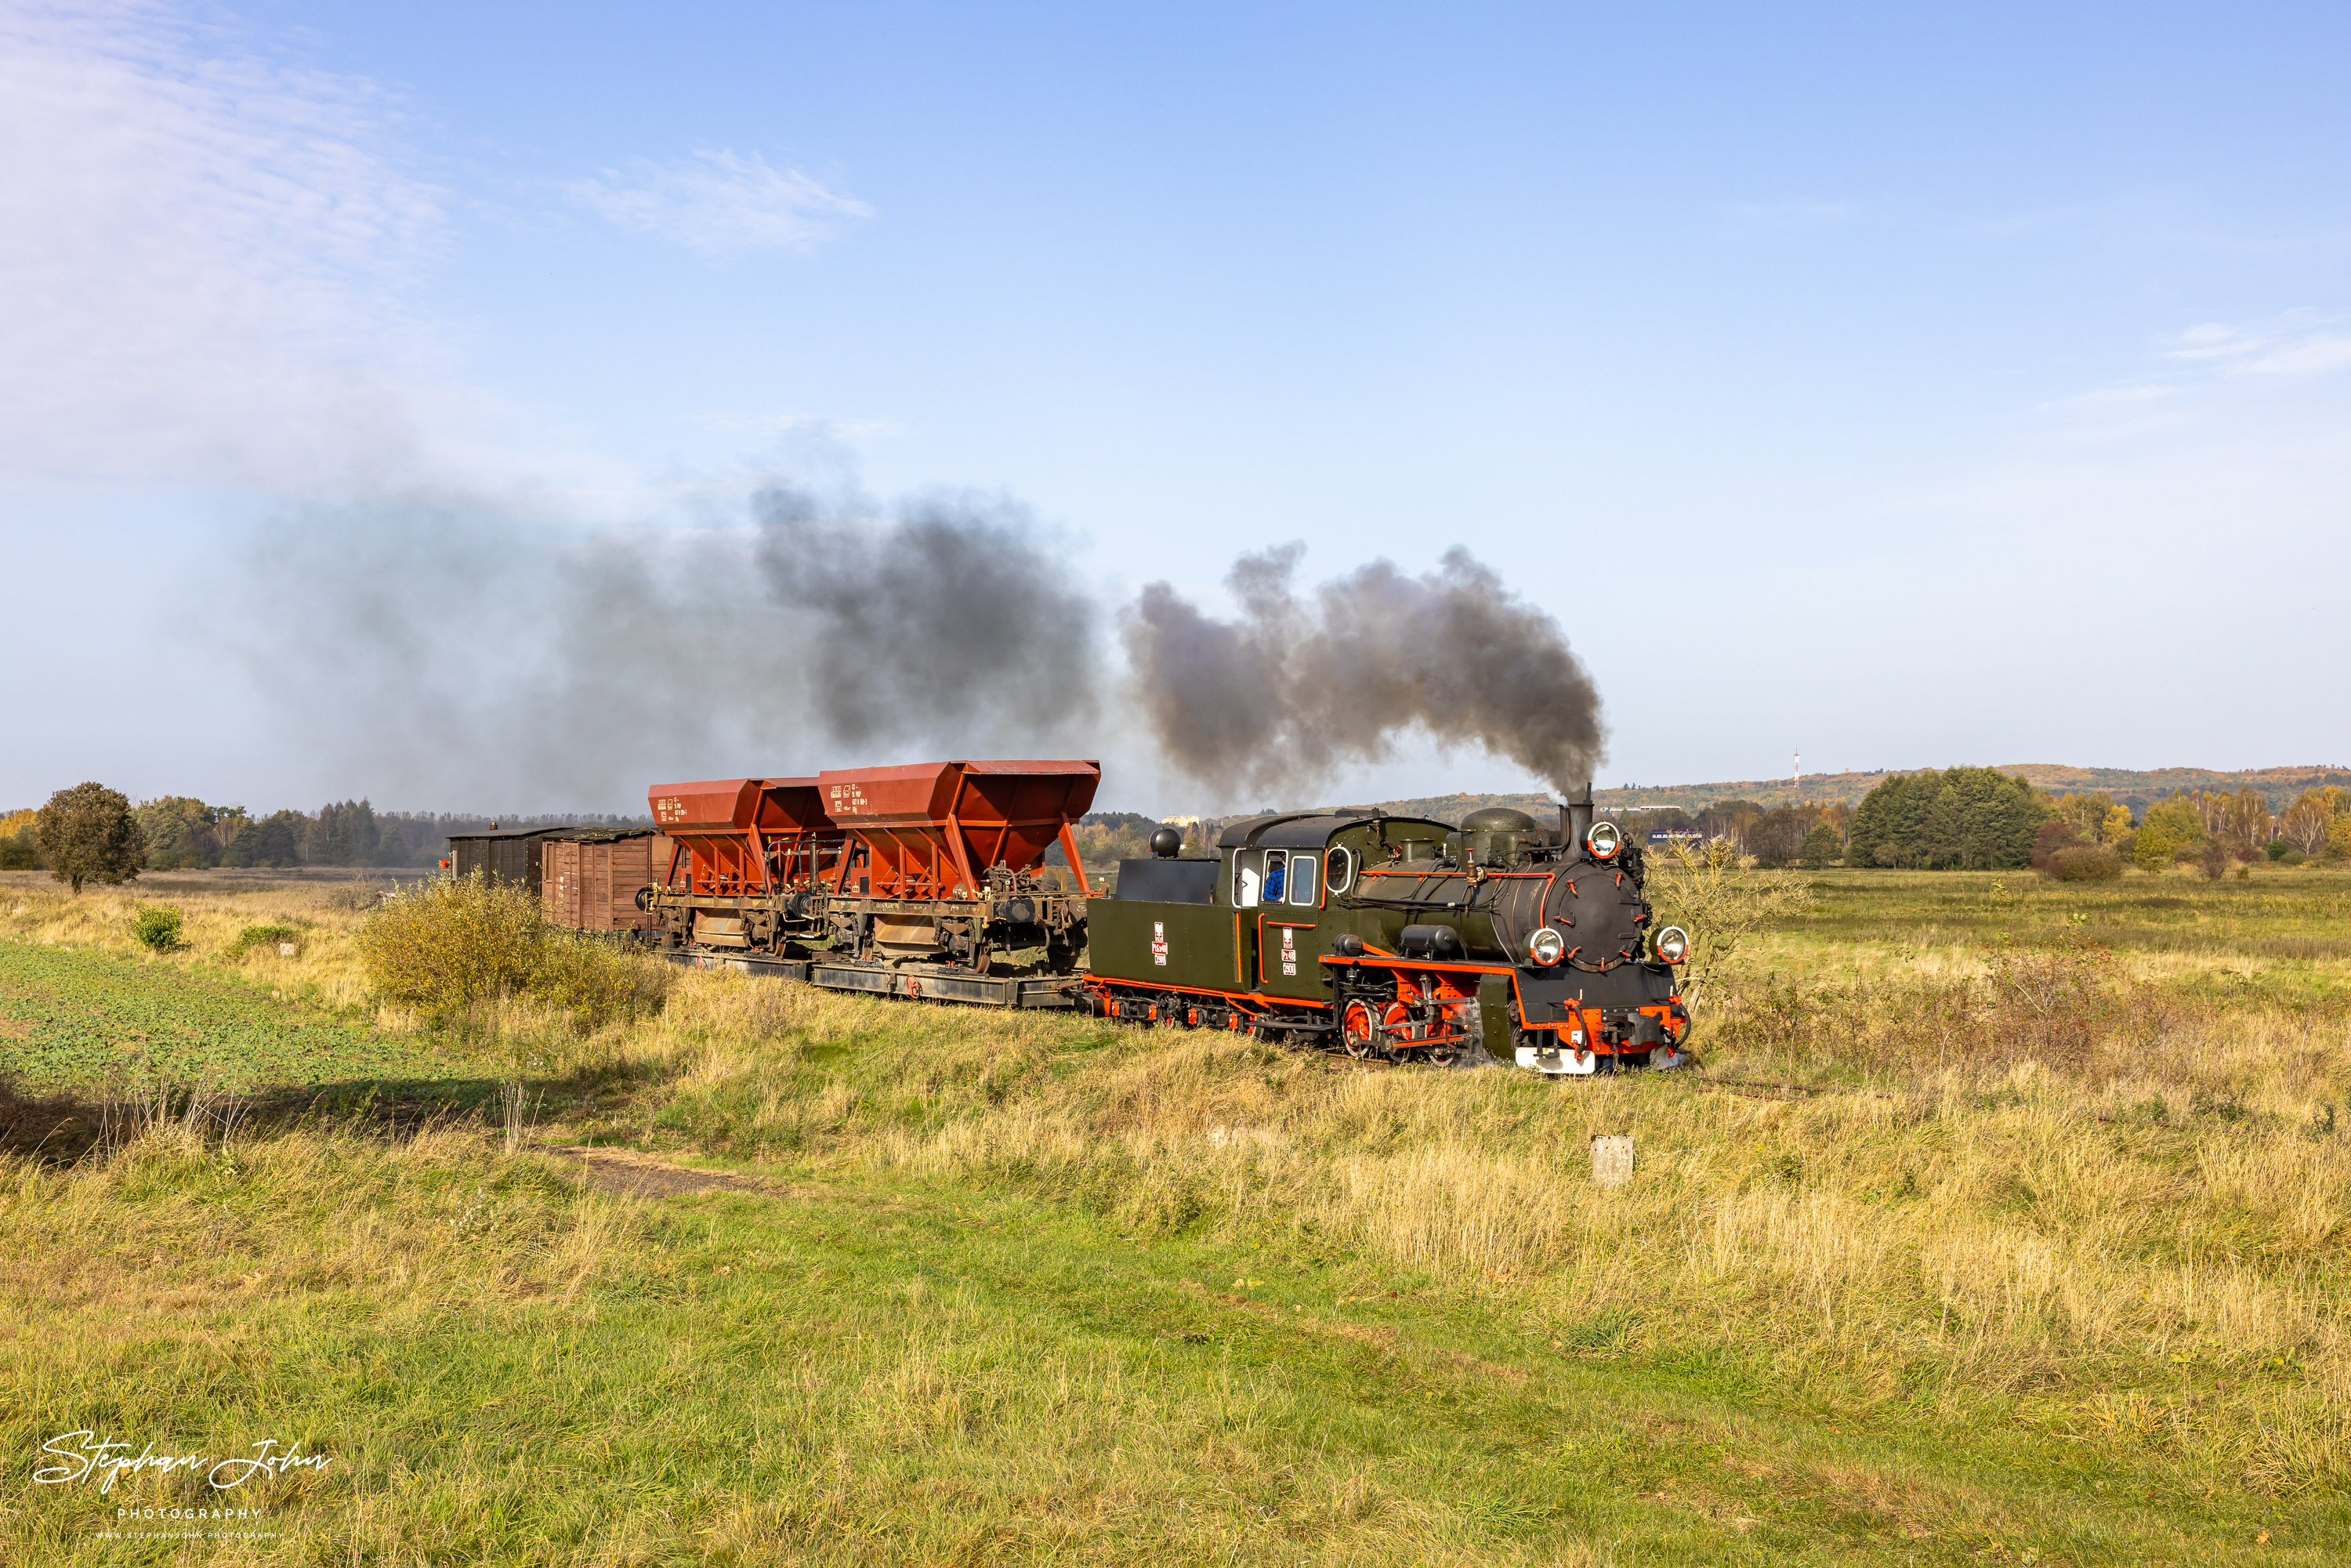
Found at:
(1909, 389)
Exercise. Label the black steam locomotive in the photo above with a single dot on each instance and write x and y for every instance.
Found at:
(1401, 938)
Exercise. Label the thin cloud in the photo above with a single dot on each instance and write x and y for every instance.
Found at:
(206, 256)
(719, 202)
(2299, 343)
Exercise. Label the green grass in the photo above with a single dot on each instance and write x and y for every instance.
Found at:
(95, 1020)
(1034, 1289)
(905, 1373)
(2276, 913)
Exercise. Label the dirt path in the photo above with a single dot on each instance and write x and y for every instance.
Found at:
(633, 1175)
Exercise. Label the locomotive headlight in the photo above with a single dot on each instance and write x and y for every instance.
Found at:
(1603, 840)
(1546, 947)
(1673, 945)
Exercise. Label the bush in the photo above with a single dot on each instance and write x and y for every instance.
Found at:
(2086, 862)
(596, 980)
(2292, 857)
(1823, 848)
(157, 927)
(2053, 838)
(446, 944)
(20, 851)
(2277, 849)
(2048, 1003)
(254, 936)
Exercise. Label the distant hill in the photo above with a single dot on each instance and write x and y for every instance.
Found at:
(2134, 788)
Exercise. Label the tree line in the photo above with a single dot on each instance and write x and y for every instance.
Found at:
(1978, 819)
(178, 832)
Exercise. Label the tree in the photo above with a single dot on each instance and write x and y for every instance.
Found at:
(2096, 816)
(1821, 849)
(2241, 821)
(88, 834)
(179, 831)
(1885, 825)
(1976, 819)
(2304, 823)
(1713, 896)
(273, 840)
(1777, 836)
(2172, 824)
(19, 849)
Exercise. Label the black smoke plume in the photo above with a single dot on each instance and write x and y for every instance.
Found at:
(436, 649)
(1297, 688)
(955, 619)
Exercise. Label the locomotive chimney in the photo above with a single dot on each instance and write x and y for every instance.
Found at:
(1575, 818)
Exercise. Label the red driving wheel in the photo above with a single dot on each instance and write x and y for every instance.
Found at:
(1357, 1029)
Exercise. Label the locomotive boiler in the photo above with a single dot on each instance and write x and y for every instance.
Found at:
(1401, 938)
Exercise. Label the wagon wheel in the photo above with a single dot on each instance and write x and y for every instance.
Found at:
(1358, 1030)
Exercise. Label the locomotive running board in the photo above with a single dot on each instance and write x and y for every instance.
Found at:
(1048, 991)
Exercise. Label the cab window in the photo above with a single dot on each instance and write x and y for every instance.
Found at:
(1302, 879)
(1244, 884)
(1343, 871)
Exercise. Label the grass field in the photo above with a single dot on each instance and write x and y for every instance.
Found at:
(2054, 1272)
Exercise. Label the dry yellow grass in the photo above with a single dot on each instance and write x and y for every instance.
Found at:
(2022, 1244)
(216, 907)
(2106, 1243)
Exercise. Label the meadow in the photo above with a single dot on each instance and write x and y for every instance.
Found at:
(2006, 1223)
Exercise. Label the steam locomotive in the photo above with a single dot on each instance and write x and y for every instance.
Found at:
(1392, 938)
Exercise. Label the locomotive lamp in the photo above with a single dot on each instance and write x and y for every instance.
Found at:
(1673, 945)
(1603, 840)
(1546, 948)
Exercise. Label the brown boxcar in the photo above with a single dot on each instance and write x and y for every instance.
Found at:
(511, 854)
(591, 880)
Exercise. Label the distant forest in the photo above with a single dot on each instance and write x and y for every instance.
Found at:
(183, 832)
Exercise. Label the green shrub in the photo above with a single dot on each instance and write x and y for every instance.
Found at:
(2277, 849)
(596, 980)
(445, 944)
(254, 936)
(157, 926)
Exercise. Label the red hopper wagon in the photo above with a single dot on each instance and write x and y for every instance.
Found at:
(919, 880)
